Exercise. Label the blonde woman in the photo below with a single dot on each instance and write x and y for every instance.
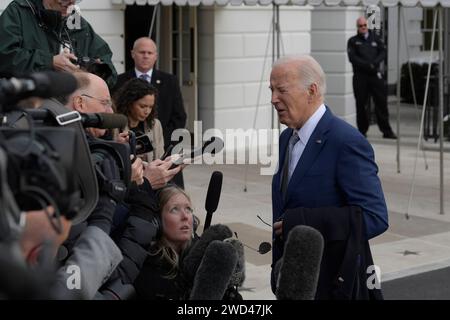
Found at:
(160, 277)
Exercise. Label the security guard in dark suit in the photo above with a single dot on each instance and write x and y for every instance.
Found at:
(366, 51)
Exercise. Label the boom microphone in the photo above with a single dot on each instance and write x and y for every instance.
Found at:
(101, 120)
(299, 270)
(46, 84)
(215, 271)
(194, 257)
(213, 196)
(104, 120)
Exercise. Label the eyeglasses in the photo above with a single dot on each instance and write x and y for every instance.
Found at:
(104, 102)
(362, 25)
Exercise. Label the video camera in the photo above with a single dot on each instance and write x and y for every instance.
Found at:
(48, 158)
(94, 66)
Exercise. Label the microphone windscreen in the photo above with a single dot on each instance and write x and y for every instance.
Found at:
(194, 257)
(113, 120)
(215, 271)
(238, 276)
(299, 271)
(264, 247)
(51, 84)
(214, 190)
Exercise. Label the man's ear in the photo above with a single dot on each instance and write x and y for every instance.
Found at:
(313, 90)
(78, 103)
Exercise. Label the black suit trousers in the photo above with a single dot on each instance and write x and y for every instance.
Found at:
(365, 86)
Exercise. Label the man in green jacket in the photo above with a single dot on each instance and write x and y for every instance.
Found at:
(37, 35)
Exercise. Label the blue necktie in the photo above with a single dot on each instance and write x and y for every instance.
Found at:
(286, 174)
(145, 77)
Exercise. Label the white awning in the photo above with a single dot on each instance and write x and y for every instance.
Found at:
(386, 3)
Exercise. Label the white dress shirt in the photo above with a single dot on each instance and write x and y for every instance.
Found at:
(304, 134)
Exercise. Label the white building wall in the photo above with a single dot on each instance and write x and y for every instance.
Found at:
(107, 20)
(331, 28)
(235, 57)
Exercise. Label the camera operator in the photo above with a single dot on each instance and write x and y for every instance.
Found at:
(35, 35)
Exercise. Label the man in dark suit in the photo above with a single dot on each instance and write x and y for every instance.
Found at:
(170, 108)
(323, 161)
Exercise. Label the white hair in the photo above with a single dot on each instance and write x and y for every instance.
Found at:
(309, 71)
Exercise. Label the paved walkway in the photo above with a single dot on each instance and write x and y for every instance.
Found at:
(410, 246)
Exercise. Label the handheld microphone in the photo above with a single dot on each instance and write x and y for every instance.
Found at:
(193, 258)
(213, 196)
(46, 84)
(211, 146)
(300, 267)
(215, 271)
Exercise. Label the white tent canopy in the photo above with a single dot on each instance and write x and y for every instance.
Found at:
(385, 3)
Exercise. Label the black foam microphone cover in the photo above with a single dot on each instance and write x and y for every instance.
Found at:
(215, 271)
(238, 276)
(264, 247)
(300, 268)
(194, 257)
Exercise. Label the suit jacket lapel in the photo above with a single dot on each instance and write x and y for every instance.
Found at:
(156, 79)
(312, 150)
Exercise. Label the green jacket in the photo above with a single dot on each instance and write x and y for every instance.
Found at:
(26, 47)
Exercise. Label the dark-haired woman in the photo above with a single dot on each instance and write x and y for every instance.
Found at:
(137, 100)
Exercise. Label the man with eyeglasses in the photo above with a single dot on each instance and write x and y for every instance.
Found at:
(37, 35)
(92, 97)
(366, 53)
